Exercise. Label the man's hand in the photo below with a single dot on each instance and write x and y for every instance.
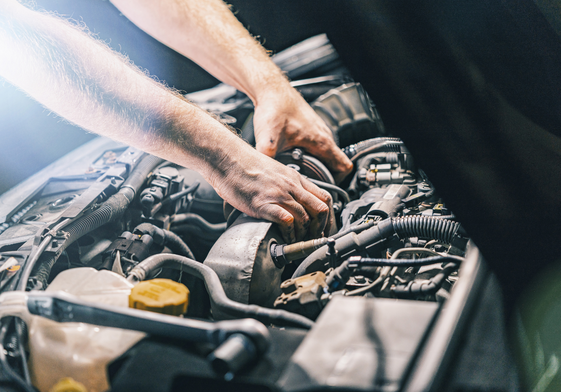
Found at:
(283, 120)
(264, 188)
(208, 33)
(86, 83)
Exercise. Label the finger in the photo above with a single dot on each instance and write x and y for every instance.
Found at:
(317, 203)
(301, 220)
(283, 218)
(330, 226)
(330, 221)
(334, 158)
(337, 161)
(343, 166)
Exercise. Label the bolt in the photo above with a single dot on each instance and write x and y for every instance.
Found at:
(360, 279)
(297, 154)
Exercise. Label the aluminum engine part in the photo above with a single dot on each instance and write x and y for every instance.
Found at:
(242, 260)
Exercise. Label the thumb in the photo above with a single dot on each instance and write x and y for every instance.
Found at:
(267, 145)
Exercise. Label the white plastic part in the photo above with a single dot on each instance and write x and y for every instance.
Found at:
(77, 350)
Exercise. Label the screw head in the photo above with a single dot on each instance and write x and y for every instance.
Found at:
(297, 154)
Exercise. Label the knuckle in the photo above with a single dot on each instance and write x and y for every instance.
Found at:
(306, 220)
(326, 197)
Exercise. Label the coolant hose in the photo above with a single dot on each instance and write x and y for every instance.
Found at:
(218, 298)
(409, 226)
(109, 211)
(165, 237)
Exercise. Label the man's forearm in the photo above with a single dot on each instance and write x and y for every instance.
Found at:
(208, 33)
(86, 83)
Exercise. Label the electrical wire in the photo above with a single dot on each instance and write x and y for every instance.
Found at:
(358, 261)
(36, 253)
(436, 242)
(6, 368)
(330, 187)
(23, 357)
(401, 251)
(378, 281)
(385, 270)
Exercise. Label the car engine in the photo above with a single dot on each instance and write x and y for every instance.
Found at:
(121, 271)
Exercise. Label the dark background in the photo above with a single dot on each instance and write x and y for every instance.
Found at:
(31, 137)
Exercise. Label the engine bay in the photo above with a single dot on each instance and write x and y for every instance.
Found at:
(124, 271)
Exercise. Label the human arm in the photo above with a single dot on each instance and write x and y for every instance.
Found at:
(208, 33)
(85, 82)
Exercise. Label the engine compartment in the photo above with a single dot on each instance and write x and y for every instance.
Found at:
(356, 309)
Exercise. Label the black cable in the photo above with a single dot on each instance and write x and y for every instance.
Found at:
(197, 220)
(360, 149)
(19, 332)
(165, 237)
(6, 368)
(338, 278)
(192, 189)
(358, 261)
(333, 188)
(31, 261)
(417, 288)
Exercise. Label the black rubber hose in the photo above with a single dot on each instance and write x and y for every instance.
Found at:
(425, 227)
(165, 237)
(6, 368)
(111, 210)
(371, 262)
(141, 172)
(410, 226)
(216, 292)
(190, 230)
(331, 188)
(197, 220)
(360, 149)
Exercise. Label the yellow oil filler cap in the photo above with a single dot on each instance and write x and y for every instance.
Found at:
(68, 384)
(161, 296)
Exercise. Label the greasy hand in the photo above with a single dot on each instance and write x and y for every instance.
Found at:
(264, 188)
(283, 120)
